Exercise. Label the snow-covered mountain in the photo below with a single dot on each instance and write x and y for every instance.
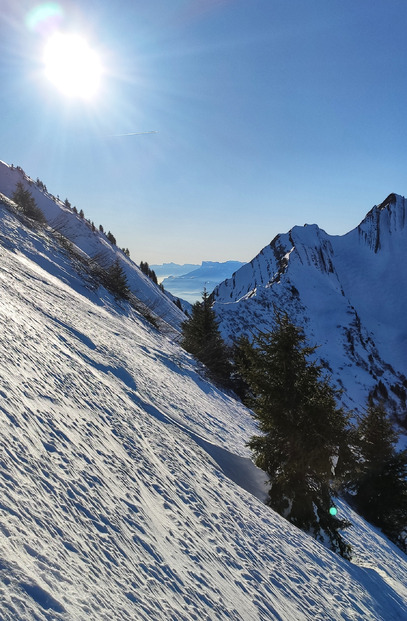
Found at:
(92, 243)
(189, 286)
(126, 488)
(349, 292)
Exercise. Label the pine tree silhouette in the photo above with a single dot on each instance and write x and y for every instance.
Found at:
(24, 199)
(116, 281)
(381, 487)
(304, 432)
(201, 337)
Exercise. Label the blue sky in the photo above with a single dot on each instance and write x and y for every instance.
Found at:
(268, 113)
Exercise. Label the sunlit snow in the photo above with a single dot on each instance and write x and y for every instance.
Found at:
(349, 292)
(124, 475)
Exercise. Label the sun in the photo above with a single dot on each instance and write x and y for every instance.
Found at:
(72, 66)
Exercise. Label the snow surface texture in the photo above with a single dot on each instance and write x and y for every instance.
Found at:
(92, 243)
(124, 475)
(189, 286)
(348, 292)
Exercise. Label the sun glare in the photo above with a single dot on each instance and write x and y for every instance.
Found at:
(72, 65)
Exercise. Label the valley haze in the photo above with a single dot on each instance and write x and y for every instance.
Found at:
(189, 284)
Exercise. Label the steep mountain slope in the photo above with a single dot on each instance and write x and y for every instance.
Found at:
(93, 243)
(126, 491)
(349, 292)
(189, 286)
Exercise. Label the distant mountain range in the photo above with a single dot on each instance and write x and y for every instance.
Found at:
(349, 293)
(173, 269)
(188, 281)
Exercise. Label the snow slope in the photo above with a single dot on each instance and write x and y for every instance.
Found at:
(349, 292)
(126, 491)
(93, 243)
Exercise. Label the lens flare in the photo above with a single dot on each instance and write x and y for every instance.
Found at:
(333, 510)
(45, 18)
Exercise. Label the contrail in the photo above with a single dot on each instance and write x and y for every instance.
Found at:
(133, 134)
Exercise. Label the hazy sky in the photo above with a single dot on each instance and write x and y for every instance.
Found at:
(268, 113)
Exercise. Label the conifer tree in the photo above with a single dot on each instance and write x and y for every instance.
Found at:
(111, 238)
(27, 204)
(145, 268)
(201, 337)
(381, 487)
(304, 441)
(153, 276)
(116, 281)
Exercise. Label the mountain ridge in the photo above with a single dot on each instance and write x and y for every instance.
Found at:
(124, 474)
(348, 292)
(116, 500)
(93, 243)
